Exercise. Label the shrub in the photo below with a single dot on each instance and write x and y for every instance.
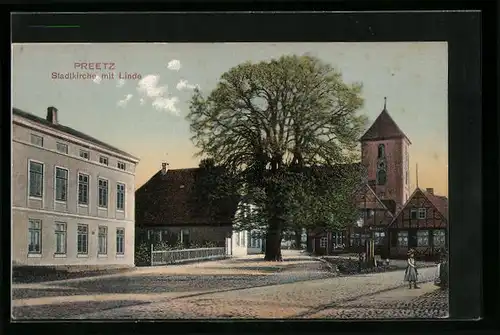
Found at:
(143, 254)
(209, 244)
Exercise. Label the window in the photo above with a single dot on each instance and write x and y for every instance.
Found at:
(243, 239)
(82, 240)
(355, 240)
(413, 213)
(36, 179)
(83, 189)
(381, 177)
(422, 238)
(103, 240)
(60, 231)
(35, 237)
(255, 241)
(422, 213)
(121, 166)
(120, 241)
(237, 239)
(37, 140)
(61, 184)
(323, 242)
(406, 177)
(184, 238)
(381, 151)
(379, 237)
(84, 154)
(103, 160)
(120, 196)
(439, 238)
(103, 193)
(402, 239)
(61, 147)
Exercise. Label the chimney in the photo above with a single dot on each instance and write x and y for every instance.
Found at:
(164, 168)
(430, 190)
(52, 115)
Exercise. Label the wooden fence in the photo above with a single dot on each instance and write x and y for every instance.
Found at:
(164, 257)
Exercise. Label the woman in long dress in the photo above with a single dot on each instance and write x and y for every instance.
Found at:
(411, 272)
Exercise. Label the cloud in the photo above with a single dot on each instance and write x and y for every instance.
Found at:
(183, 84)
(149, 89)
(142, 101)
(174, 65)
(168, 104)
(124, 102)
(97, 79)
(148, 86)
(120, 83)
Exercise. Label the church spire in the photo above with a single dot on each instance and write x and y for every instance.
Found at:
(385, 104)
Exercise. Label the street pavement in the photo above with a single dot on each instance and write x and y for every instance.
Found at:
(299, 287)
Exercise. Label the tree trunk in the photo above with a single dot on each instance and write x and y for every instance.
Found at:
(273, 241)
(275, 227)
(273, 247)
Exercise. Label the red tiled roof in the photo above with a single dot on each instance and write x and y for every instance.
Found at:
(439, 201)
(173, 199)
(384, 127)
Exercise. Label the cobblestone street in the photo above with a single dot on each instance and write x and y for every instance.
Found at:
(300, 287)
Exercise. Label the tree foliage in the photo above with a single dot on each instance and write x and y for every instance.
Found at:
(272, 124)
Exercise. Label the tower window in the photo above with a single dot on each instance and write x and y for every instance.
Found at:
(381, 151)
(381, 177)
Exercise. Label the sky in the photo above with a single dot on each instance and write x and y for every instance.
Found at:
(146, 116)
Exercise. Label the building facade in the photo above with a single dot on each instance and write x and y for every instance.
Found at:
(244, 242)
(421, 225)
(173, 207)
(385, 154)
(385, 158)
(72, 196)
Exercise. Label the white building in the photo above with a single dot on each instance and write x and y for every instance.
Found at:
(72, 196)
(244, 242)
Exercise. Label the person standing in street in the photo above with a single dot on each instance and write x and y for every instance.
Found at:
(411, 272)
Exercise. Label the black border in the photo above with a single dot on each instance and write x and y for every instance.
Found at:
(462, 30)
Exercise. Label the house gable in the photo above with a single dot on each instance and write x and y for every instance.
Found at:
(434, 217)
(366, 199)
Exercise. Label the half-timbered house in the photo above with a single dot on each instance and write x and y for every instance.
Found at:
(374, 217)
(422, 225)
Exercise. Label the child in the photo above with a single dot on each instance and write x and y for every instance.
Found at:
(411, 272)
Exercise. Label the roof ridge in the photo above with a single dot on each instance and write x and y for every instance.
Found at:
(69, 130)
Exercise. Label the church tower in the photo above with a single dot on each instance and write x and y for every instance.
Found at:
(384, 153)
